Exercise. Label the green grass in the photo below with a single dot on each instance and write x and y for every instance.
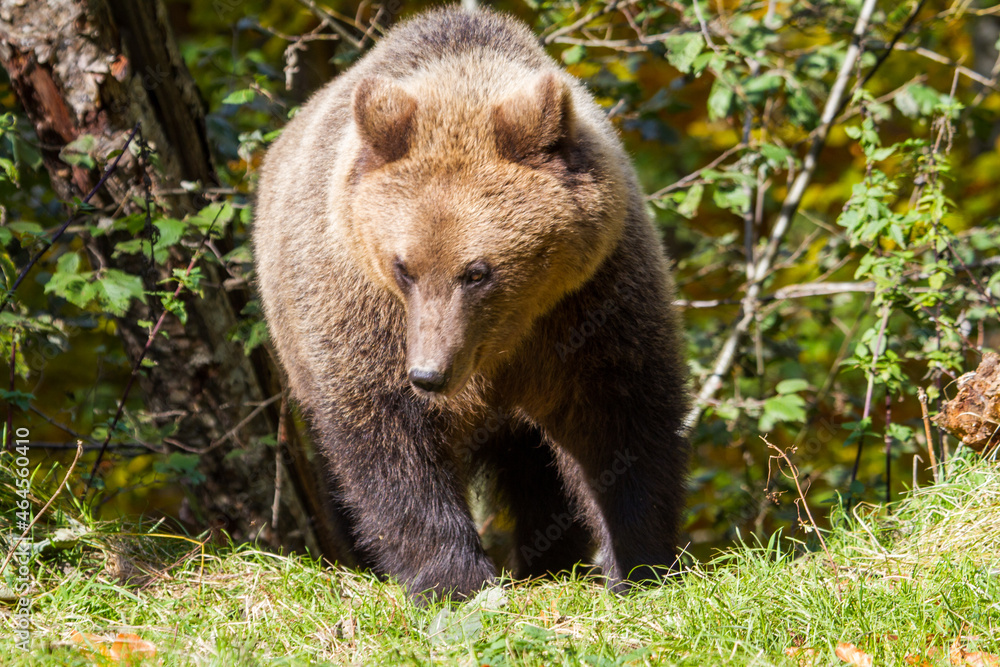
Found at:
(904, 584)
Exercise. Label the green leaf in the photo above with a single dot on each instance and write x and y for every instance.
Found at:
(900, 432)
(683, 49)
(17, 398)
(79, 152)
(574, 54)
(688, 206)
(792, 386)
(765, 84)
(803, 110)
(731, 198)
(244, 96)
(75, 288)
(726, 411)
(10, 271)
(9, 170)
(776, 155)
(250, 334)
(29, 229)
(917, 100)
(171, 231)
(214, 216)
(859, 429)
(69, 263)
(116, 289)
(782, 408)
(703, 61)
(26, 154)
(896, 234)
(880, 154)
(719, 100)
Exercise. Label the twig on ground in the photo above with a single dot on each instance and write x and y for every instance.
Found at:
(793, 475)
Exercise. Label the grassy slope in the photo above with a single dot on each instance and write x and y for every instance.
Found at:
(918, 579)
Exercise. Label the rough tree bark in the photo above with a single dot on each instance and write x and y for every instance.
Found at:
(98, 67)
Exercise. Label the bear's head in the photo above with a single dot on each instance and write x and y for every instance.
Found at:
(480, 209)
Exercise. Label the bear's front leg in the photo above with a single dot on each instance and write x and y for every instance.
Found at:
(631, 476)
(623, 456)
(406, 497)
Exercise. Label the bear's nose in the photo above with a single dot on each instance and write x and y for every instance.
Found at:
(428, 380)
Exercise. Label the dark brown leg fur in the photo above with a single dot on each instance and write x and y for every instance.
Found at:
(408, 510)
(548, 534)
(621, 398)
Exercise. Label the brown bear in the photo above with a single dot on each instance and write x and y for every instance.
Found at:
(461, 279)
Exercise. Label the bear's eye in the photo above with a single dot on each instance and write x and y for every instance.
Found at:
(403, 278)
(476, 274)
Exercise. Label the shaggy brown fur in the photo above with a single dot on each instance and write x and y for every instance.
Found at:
(459, 275)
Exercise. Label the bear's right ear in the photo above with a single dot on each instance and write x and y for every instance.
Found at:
(384, 113)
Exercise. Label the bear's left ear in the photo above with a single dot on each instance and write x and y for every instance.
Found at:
(384, 113)
(534, 122)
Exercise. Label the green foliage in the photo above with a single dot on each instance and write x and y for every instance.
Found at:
(110, 290)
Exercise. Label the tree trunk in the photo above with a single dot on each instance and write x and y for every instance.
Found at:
(98, 67)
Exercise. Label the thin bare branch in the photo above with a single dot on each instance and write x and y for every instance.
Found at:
(887, 310)
(794, 476)
(330, 21)
(727, 354)
(788, 292)
(694, 175)
(246, 420)
(145, 350)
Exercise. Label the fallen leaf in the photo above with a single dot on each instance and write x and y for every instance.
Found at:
(959, 656)
(123, 648)
(853, 656)
(920, 661)
(803, 654)
(980, 659)
(130, 646)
